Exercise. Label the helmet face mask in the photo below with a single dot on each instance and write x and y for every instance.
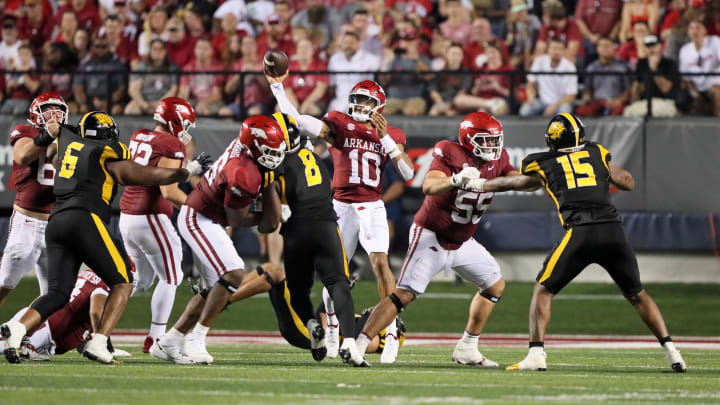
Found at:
(487, 147)
(271, 158)
(366, 98)
(264, 140)
(46, 106)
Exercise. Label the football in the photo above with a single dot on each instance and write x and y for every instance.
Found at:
(275, 63)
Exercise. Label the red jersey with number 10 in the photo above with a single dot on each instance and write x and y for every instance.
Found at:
(147, 148)
(34, 182)
(454, 215)
(358, 158)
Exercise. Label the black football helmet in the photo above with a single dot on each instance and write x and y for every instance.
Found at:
(565, 133)
(290, 129)
(98, 125)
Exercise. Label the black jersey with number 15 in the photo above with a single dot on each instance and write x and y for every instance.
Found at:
(578, 182)
(81, 179)
(306, 187)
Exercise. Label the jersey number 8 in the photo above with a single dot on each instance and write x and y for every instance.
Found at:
(312, 171)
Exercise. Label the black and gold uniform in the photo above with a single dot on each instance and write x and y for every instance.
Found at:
(311, 236)
(577, 178)
(77, 229)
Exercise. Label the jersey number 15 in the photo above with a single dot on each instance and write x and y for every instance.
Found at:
(573, 169)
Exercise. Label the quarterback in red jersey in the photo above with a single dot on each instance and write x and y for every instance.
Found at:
(72, 325)
(441, 235)
(362, 144)
(148, 233)
(223, 198)
(32, 176)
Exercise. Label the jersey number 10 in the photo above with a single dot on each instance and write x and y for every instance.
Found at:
(367, 157)
(573, 168)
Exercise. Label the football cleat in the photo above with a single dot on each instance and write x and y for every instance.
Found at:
(12, 332)
(350, 354)
(676, 361)
(332, 340)
(28, 352)
(96, 350)
(469, 355)
(120, 353)
(390, 351)
(148, 342)
(534, 362)
(168, 352)
(196, 351)
(317, 340)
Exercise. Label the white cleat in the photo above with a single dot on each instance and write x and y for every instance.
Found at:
(29, 352)
(197, 352)
(351, 354)
(96, 350)
(533, 362)
(168, 352)
(12, 332)
(469, 355)
(676, 361)
(390, 351)
(121, 353)
(332, 340)
(317, 340)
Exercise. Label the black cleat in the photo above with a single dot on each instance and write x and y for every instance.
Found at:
(345, 356)
(317, 340)
(11, 354)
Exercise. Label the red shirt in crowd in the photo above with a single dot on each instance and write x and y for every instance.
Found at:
(482, 83)
(303, 85)
(181, 52)
(201, 85)
(477, 48)
(285, 43)
(600, 16)
(88, 17)
(570, 32)
(38, 35)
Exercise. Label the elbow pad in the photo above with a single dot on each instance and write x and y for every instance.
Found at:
(406, 172)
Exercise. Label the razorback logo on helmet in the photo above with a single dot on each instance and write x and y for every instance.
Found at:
(177, 115)
(258, 133)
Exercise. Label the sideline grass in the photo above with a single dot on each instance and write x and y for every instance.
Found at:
(281, 374)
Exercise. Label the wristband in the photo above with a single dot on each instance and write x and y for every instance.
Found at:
(44, 139)
(389, 145)
(394, 153)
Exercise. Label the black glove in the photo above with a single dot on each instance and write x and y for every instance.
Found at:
(200, 165)
(44, 139)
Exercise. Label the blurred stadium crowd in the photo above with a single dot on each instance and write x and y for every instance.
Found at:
(599, 57)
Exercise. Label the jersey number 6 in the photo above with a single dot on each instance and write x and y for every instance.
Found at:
(67, 166)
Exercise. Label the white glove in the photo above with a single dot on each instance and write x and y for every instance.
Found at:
(285, 215)
(475, 185)
(194, 168)
(465, 175)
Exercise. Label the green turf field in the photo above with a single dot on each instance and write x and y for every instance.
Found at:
(689, 309)
(280, 374)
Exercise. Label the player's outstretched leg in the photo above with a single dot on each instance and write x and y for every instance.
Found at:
(466, 351)
(169, 346)
(539, 319)
(651, 315)
(332, 333)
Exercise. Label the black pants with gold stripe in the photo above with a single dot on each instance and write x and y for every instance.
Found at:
(73, 237)
(604, 244)
(316, 247)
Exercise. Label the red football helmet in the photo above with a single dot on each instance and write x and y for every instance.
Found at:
(365, 98)
(178, 115)
(482, 135)
(37, 112)
(264, 140)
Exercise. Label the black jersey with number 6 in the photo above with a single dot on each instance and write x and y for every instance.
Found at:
(578, 182)
(81, 179)
(306, 187)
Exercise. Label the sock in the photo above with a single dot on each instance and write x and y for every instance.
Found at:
(329, 308)
(392, 329)
(669, 347)
(469, 339)
(362, 343)
(173, 337)
(161, 305)
(535, 350)
(664, 340)
(537, 344)
(200, 331)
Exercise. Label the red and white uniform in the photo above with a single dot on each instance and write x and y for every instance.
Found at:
(148, 234)
(67, 328)
(25, 245)
(234, 182)
(441, 235)
(358, 159)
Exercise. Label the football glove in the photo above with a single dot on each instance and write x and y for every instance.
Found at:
(285, 215)
(475, 185)
(464, 176)
(199, 165)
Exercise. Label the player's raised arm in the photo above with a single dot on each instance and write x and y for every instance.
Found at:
(621, 177)
(307, 123)
(396, 152)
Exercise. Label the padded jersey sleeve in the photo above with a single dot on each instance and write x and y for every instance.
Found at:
(441, 159)
(336, 121)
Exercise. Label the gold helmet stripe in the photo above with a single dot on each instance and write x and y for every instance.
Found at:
(283, 125)
(82, 123)
(574, 124)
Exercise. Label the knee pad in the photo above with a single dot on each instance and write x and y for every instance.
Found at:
(50, 303)
(489, 297)
(228, 285)
(398, 303)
